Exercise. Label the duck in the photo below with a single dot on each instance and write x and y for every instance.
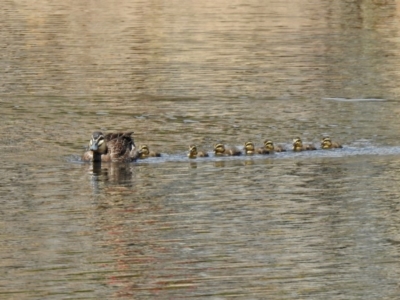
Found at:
(144, 152)
(220, 150)
(250, 149)
(326, 143)
(193, 152)
(112, 147)
(299, 146)
(269, 146)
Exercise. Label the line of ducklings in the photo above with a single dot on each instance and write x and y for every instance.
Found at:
(268, 148)
(120, 147)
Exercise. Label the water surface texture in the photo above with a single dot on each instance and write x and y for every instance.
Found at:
(311, 225)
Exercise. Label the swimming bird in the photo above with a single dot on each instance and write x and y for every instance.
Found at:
(326, 143)
(220, 150)
(112, 147)
(145, 152)
(269, 145)
(299, 146)
(193, 152)
(250, 149)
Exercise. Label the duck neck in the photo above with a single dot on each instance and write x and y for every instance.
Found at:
(96, 156)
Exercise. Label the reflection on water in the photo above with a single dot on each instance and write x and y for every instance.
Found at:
(312, 225)
(273, 231)
(110, 174)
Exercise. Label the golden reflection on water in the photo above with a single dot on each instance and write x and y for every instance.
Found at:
(285, 226)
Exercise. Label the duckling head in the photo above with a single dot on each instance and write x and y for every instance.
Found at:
(326, 143)
(97, 143)
(249, 148)
(192, 151)
(269, 145)
(219, 149)
(144, 150)
(297, 144)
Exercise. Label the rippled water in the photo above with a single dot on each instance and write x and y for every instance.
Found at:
(311, 225)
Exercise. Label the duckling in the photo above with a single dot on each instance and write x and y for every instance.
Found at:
(193, 152)
(145, 152)
(269, 146)
(112, 147)
(249, 149)
(326, 143)
(220, 150)
(299, 146)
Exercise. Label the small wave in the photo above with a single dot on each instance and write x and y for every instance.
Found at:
(355, 99)
(75, 159)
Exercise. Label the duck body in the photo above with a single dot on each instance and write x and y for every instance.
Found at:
(112, 147)
(299, 146)
(326, 143)
(220, 150)
(194, 153)
(145, 152)
(269, 146)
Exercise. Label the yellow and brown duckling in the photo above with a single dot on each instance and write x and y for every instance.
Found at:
(250, 149)
(269, 146)
(193, 152)
(299, 146)
(144, 152)
(220, 150)
(112, 147)
(326, 143)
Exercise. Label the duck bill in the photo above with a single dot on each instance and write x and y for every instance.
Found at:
(94, 147)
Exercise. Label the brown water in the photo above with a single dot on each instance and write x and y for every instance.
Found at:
(318, 225)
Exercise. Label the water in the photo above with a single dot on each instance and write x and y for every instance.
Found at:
(315, 225)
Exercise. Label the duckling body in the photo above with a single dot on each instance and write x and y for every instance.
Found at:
(299, 146)
(194, 153)
(145, 152)
(262, 150)
(112, 147)
(269, 146)
(220, 150)
(326, 143)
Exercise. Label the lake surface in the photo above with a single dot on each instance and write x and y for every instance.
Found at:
(310, 225)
